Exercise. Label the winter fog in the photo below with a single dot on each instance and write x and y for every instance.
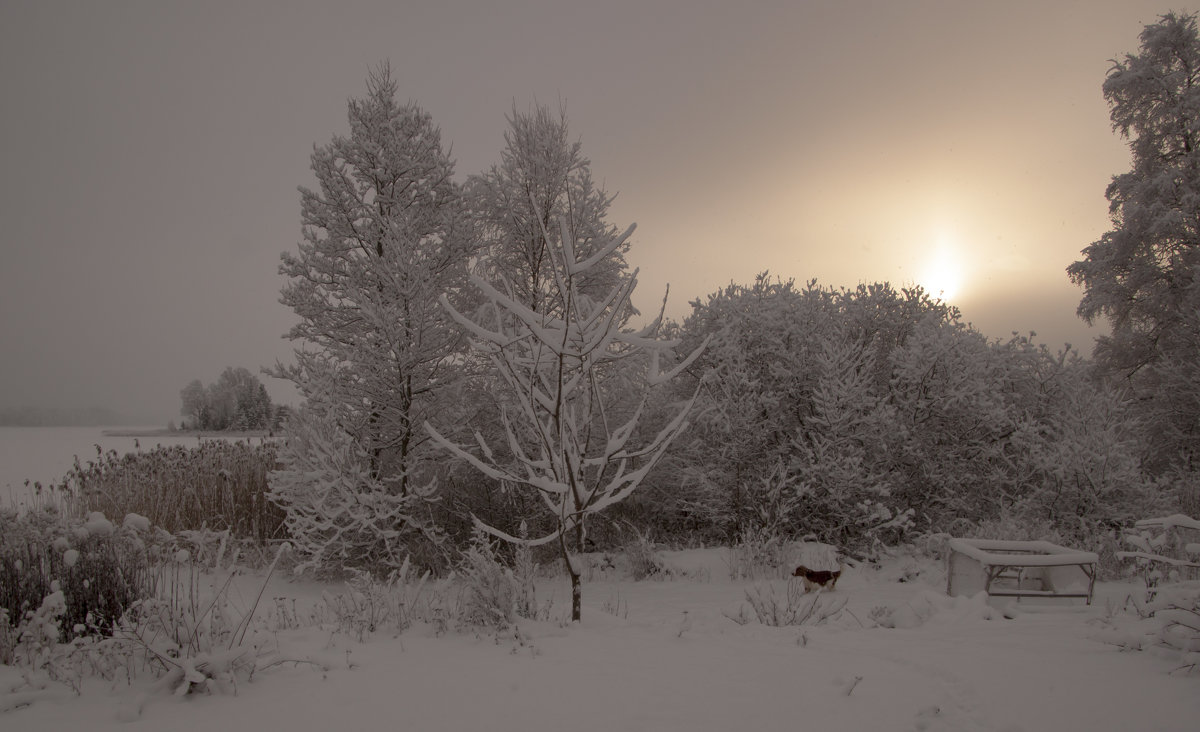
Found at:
(433, 445)
(153, 154)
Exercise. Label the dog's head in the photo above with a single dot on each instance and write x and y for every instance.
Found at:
(801, 571)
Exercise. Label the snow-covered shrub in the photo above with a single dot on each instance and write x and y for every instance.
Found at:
(195, 637)
(759, 555)
(643, 559)
(490, 588)
(1164, 549)
(525, 571)
(797, 608)
(39, 631)
(341, 513)
(370, 604)
(1178, 614)
(1168, 624)
(1168, 616)
(100, 568)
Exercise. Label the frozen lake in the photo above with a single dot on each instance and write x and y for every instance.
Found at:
(46, 453)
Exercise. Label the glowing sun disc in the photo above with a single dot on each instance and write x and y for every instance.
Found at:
(942, 279)
(943, 275)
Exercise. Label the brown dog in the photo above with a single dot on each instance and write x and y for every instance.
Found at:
(814, 578)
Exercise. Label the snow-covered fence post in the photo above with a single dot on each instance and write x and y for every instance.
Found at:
(560, 440)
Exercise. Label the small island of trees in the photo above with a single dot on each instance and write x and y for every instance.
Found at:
(238, 401)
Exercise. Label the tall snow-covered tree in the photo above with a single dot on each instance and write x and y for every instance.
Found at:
(563, 439)
(384, 236)
(1142, 276)
(543, 178)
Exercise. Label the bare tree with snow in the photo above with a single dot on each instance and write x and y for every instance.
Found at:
(562, 437)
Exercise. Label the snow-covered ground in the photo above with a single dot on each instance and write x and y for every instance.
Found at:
(638, 662)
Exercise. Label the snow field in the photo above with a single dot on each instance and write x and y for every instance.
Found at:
(648, 668)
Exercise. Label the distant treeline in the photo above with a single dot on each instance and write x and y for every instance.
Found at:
(54, 417)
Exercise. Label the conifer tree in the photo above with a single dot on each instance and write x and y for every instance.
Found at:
(383, 237)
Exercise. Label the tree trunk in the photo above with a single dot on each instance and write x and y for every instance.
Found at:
(576, 595)
(576, 579)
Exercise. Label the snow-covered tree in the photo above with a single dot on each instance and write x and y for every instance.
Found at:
(952, 420)
(1083, 453)
(384, 235)
(1143, 276)
(840, 451)
(543, 178)
(562, 438)
(237, 400)
(753, 379)
(195, 404)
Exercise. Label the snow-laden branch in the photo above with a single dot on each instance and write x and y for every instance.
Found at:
(560, 443)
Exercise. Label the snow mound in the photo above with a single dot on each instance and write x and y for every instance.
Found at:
(933, 608)
(98, 525)
(136, 522)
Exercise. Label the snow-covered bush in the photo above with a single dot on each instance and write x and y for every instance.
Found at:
(1168, 624)
(101, 569)
(370, 604)
(867, 416)
(490, 589)
(1163, 550)
(38, 633)
(341, 514)
(759, 555)
(797, 608)
(1168, 615)
(644, 561)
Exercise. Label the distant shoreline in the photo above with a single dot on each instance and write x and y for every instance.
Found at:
(185, 433)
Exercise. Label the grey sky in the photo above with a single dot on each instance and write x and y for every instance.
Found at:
(152, 152)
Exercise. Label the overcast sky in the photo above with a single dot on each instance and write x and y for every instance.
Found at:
(151, 154)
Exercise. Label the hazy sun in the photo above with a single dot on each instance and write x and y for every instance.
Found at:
(942, 275)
